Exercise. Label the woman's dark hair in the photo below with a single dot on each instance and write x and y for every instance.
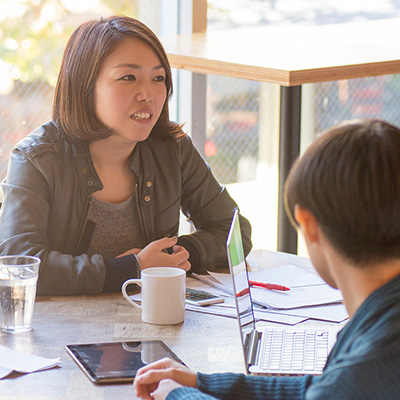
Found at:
(349, 179)
(89, 45)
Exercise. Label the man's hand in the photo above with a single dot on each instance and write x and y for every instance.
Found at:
(164, 388)
(161, 377)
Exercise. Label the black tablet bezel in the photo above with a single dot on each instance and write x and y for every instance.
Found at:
(77, 352)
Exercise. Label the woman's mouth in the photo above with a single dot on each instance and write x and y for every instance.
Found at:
(141, 115)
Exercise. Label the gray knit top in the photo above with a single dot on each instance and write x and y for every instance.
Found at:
(117, 228)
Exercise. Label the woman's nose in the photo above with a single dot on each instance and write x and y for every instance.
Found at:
(144, 93)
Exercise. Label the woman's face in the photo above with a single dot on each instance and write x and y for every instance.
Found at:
(130, 91)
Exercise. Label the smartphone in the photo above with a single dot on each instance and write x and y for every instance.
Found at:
(117, 362)
(202, 298)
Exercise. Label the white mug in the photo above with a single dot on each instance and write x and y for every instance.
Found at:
(163, 295)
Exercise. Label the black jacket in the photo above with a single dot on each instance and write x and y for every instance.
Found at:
(47, 194)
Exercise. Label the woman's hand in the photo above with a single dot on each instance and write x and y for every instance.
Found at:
(158, 379)
(155, 255)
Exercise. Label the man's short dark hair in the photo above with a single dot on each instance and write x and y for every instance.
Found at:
(349, 179)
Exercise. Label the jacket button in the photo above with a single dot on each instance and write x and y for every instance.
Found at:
(84, 170)
(90, 183)
(146, 199)
(149, 184)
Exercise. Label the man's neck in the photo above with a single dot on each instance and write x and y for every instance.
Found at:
(357, 283)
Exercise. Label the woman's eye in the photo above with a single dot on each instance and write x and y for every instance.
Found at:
(128, 78)
(160, 78)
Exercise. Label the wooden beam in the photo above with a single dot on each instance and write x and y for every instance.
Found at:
(199, 16)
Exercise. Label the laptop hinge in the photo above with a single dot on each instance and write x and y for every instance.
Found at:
(252, 341)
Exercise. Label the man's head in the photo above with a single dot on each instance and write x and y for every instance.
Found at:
(349, 180)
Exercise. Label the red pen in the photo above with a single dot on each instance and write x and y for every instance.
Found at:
(242, 292)
(269, 286)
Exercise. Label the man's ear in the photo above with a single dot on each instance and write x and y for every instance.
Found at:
(308, 223)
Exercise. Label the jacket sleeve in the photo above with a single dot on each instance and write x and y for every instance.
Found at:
(24, 222)
(231, 386)
(210, 208)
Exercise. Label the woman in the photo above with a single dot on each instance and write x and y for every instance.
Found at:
(96, 193)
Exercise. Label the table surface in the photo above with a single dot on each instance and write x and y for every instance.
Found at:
(204, 342)
(291, 54)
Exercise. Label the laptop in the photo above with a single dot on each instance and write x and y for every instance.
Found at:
(276, 350)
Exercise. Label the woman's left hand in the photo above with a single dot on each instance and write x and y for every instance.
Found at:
(155, 254)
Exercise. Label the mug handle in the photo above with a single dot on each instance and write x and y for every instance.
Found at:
(123, 289)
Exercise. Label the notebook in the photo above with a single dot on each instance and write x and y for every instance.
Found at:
(276, 350)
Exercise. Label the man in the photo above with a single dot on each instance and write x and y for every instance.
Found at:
(344, 196)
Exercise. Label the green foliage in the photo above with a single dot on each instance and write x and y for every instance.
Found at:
(123, 7)
(33, 42)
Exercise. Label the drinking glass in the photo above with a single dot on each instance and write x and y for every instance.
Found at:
(18, 279)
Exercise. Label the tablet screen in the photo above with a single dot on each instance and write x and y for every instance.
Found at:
(118, 362)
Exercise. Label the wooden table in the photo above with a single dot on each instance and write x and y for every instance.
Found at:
(204, 342)
(291, 55)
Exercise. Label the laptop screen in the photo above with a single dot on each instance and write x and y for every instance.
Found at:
(241, 287)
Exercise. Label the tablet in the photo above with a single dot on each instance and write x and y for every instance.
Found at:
(119, 361)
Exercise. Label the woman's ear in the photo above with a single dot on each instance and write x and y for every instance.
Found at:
(308, 223)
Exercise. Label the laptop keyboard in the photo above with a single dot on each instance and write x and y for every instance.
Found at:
(298, 351)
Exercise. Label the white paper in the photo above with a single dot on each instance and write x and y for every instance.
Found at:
(226, 310)
(224, 279)
(296, 297)
(12, 360)
(306, 289)
(5, 372)
(287, 275)
(224, 285)
(330, 312)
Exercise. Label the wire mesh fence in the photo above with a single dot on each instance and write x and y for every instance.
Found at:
(377, 97)
(22, 110)
(233, 128)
